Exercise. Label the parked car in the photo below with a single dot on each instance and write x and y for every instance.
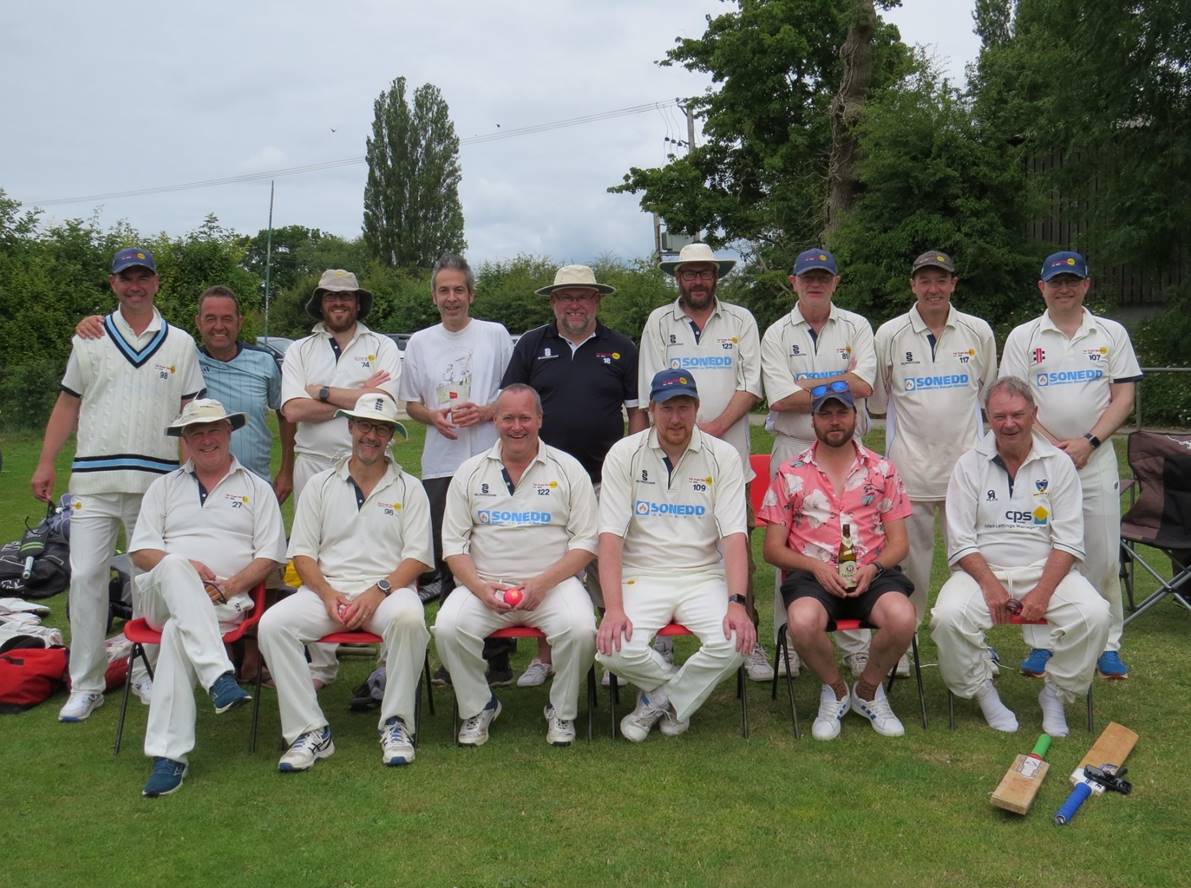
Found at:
(274, 345)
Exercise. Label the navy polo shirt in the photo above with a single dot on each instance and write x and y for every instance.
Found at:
(582, 392)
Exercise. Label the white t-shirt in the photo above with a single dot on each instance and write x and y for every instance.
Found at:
(931, 393)
(441, 367)
(516, 534)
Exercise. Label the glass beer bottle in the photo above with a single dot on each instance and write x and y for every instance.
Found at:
(846, 561)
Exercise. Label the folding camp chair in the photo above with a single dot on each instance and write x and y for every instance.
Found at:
(1160, 516)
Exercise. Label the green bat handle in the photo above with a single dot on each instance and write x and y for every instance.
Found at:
(1042, 746)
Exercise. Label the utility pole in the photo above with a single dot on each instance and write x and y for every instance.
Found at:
(268, 258)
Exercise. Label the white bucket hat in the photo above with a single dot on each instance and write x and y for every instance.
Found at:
(578, 277)
(374, 407)
(202, 410)
(336, 280)
(692, 253)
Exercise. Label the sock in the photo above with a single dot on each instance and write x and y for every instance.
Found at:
(1054, 718)
(997, 714)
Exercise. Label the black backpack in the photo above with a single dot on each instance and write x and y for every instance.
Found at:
(38, 564)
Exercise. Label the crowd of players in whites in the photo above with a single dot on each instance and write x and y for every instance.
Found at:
(535, 507)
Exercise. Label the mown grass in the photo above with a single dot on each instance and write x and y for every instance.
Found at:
(709, 808)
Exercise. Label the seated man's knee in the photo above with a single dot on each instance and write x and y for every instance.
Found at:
(807, 618)
(896, 614)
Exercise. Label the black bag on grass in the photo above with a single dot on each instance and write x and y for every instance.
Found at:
(38, 564)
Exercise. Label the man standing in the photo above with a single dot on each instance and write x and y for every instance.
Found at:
(586, 375)
(120, 392)
(816, 343)
(672, 547)
(451, 379)
(207, 534)
(1015, 531)
(719, 341)
(933, 365)
(838, 491)
(520, 520)
(360, 539)
(1083, 373)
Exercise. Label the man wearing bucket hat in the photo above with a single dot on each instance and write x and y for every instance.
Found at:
(816, 342)
(119, 392)
(719, 341)
(1083, 373)
(207, 534)
(361, 537)
(586, 375)
(672, 547)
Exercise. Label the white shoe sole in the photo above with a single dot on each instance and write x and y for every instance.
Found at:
(289, 768)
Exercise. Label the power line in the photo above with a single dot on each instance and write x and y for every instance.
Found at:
(497, 136)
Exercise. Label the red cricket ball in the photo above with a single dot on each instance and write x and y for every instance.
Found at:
(514, 596)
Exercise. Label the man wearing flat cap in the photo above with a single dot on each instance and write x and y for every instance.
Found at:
(586, 376)
(719, 342)
(206, 535)
(1083, 373)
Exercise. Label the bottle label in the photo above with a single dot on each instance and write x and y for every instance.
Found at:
(847, 573)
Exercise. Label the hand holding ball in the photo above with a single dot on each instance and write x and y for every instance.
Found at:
(514, 596)
(342, 611)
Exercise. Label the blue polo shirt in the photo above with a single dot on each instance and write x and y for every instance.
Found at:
(249, 383)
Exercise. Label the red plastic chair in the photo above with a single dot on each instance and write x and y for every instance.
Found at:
(760, 484)
(669, 631)
(532, 632)
(140, 633)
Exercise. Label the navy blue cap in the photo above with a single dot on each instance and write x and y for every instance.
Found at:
(669, 384)
(808, 260)
(1064, 262)
(130, 257)
(831, 391)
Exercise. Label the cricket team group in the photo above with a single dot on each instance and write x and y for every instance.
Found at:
(536, 508)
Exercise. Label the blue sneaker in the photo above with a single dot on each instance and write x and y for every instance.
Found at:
(1035, 664)
(1111, 666)
(166, 777)
(226, 694)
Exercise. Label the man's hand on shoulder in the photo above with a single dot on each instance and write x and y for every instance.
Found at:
(90, 327)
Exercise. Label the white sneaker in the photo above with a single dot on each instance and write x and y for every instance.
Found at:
(474, 731)
(650, 708)
(535, 674)
(795, 663)
(397, 747)
(79, 706)
(606, 681)
(665, 647)
(671, 725)
(306, 750)
(831, 714)
(879, 714)
(757, 664)
(142, 686)
(559, 731)
(857, 663)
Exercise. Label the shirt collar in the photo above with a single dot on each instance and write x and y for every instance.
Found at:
(919, 324)
(864, 456)
(235, 467)
(1039, 448)
(1085, 323)
(679, 315)
(126, 330)
(392, 470)
(797, 316)
(494, 452)
(696, 442)
(320, 329)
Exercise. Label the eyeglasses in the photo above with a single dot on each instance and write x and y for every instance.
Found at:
(838, 387)
(576, 298)
(339, 297)
(706, 274)
(374, 428)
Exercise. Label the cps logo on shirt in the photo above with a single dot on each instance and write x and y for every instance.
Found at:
(1038, 517)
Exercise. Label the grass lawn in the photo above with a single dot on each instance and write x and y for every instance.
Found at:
(709, 808)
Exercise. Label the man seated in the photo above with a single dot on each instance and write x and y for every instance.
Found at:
(519, 526)
(1015, 529)
(672, 548)
(836, 484)
(361, 537)
(206, 535)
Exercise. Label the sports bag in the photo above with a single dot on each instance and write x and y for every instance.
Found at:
(38, 564)
(29, 676)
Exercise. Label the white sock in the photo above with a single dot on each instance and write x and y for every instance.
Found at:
(997, 714)
(1054, 718)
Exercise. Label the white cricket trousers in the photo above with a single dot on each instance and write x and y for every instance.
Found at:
(697, 601)
(192, 650)
(302, 618)
(1077, 621)
(920, 535)
(324, 658)
(849, 641)
(95, 522)
(565, 616)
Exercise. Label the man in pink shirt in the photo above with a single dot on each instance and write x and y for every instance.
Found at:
(833, 484)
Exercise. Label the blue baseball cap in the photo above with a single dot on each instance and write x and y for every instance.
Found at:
(669, 384)
(831, 391)
(1064, 262)
(808, 260)
(133, 256)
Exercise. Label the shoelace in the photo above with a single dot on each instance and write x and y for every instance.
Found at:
(311, 741)
(395, 733)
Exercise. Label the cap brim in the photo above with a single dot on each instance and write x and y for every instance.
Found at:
(834, 396)
(116, 269)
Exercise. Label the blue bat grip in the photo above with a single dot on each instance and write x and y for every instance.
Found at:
(1071, 807)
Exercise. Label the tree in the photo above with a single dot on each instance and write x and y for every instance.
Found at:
(412, 213)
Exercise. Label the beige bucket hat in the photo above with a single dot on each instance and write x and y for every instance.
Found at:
(336, 280)
(692, 253)
(202, 410)
(577, 276)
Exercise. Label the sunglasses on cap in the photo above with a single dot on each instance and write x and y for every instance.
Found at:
(838, 387)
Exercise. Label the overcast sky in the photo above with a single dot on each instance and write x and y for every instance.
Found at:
(116, 96)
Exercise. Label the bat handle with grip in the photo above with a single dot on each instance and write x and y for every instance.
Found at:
(1071, 807)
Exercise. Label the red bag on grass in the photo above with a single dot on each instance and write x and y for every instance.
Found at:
(29, 676)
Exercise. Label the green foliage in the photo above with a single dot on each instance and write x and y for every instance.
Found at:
(412, 213)
(298, 252)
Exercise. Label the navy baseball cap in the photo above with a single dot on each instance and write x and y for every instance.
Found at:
(133, 256)
(831, 391)
(808, 260)
(669, 384)
(934, 259)
(1064, 262)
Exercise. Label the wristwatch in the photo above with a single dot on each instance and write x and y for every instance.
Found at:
(737, 599)
(324, 394)
(1092, 439)
(385, 587)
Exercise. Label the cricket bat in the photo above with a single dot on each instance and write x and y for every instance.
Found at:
(1107, 754)
(1024, 778)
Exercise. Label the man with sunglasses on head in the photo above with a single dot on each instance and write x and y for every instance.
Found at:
(1083, 373)
(817, 342)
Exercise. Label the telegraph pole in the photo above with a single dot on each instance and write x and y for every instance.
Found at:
(268, 258)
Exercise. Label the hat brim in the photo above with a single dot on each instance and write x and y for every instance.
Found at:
(602, 289)
(135, 263)
(236, 419)
(314, 305)
(1058, 271)
(669, 394)
(368, 417)
(848, 401)
(723, 266)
